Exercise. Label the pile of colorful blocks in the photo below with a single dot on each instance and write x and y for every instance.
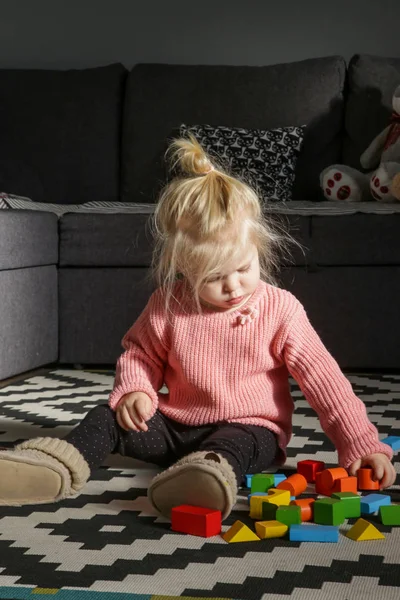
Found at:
(278, 510)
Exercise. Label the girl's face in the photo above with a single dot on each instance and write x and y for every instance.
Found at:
(232, 288)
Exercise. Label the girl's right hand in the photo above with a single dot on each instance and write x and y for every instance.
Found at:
(133, 410)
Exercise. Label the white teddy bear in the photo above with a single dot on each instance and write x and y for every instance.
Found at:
(340, 182)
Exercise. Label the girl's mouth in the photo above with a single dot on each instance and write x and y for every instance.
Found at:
(235, 300)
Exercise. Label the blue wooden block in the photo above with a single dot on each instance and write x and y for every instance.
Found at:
(371, 503)
(248, 480)
(393, 441)
(255, 494)
(313, 533)
(278, 477)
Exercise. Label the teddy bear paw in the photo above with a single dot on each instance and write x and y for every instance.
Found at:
(339, 185)
(381, 185)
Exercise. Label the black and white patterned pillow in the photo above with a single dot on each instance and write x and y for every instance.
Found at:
(264, 159)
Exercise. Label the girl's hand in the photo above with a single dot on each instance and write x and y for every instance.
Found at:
(382, 468)
(133, 410)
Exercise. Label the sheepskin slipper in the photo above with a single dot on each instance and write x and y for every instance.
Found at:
(40, 471)
(199, 479)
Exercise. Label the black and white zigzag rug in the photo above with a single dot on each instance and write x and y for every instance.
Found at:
(108, 541)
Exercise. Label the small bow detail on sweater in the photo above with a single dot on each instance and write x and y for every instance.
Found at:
(252, 313)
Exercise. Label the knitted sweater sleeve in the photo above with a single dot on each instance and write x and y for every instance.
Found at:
(342, 414)
(141, 367)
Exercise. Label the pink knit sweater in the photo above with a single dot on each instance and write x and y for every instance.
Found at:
(234, 366)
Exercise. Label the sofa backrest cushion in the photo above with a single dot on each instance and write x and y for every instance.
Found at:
(160, 97)
(60, 133)
(371, 83)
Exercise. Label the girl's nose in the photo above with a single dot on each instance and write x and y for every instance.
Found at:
(231, 283)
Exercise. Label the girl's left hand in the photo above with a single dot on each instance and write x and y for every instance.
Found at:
(383, 470)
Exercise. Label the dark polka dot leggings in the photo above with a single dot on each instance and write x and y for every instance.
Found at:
(247, 448)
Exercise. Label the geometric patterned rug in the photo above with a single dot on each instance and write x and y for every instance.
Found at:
(108, 542)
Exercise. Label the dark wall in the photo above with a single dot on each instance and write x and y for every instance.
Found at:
(80, 33)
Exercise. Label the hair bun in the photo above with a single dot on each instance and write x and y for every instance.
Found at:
(188, 157)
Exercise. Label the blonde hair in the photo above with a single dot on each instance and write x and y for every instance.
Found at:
(205, 217)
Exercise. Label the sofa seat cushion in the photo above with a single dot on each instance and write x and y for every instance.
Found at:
(348, 233)
(27, 239)
(330, 233)
(125, 240)
(105, 240)
(357, 239)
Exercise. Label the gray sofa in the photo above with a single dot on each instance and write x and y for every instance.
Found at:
(71, 286)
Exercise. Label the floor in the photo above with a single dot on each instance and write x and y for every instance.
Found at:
(108, 539)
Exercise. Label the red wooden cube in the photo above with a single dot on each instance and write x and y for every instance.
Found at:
(196, 520)
(310, 468)
(320, 487)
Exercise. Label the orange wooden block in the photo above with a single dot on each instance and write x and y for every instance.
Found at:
(306, 507)
(320, 488)
(330, 476)
(364, 479)
(296, 484)
(347, 484)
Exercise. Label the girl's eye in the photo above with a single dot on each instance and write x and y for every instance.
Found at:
(214, 279)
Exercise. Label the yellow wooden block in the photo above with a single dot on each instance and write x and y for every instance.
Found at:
(363, 531)
(256, 506)
(270, 529)
(278, 497)
(239, 532)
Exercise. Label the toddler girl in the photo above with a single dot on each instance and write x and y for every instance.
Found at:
(223, 338)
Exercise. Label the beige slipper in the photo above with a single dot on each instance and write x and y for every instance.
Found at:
(199, 479)
(41, 470)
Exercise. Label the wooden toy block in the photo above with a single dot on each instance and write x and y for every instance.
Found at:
(313, 533)
(250, 496)
(390, 515)
(320, 488)
(289, 515)
(278, 477)
(328, 511)
(371, 503)
(347, 484)
(196, 520)
(363, 531)
(248, 480)
(270, 529)
(365, 481)
(306, 508)
(262, 482)
(296, 484)
(310, 468)
(329, 477)
(279, 497)
(393, 441)
(256, 506)
(239, 532)
(351, 503)
(268, 511)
